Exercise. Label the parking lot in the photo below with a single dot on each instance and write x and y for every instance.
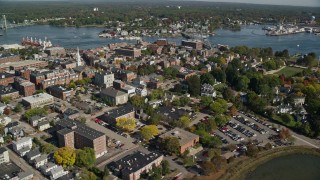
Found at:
(243, 128)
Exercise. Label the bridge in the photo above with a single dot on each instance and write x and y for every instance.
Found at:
(4, 24)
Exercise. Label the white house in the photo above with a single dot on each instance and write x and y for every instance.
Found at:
(208, 90)
(57, 172)
(45, 169)
(5, 120)
(23, 145)
(2, 107)
(4, 155)
(40, 161)
(43, 125)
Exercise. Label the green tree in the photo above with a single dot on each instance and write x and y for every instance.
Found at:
(48, 148)
(137, 101)
(65, 156)
(6, 99)
(221, 120)
(18, 108)
(154, 119)
(156, 173)
(205, 101)
(242, 83)
(194, 85)
(219, 106)
(165, 167)
(1, 129)
(252, 150)
(149, 131)
(85, 157)
(207, 78)
(126, 124)
(219, 162)
(35, 112)
(287, 118)
(87, 175)
(183, 121)
(171, 145)
(207, 167)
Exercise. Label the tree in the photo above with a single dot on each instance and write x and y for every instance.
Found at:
(242, 83)
(252, 150)
(165, 167)
(219, 106)
(18, 108)
(82, 119)
(219, 162)
(85, 157)
(221, 120)
(287, 118)
(65, 156)
(233, 110)
(7, 111)
(86, 175)
(48, 148)
(207, 167)
(35, 112)
(205, 101)
(212, 125)
(284, 133)
(2, 129)
(154, 119)
(137, 101)
(207, 78)
(106, 171)
(156, 173)
(194, 85)
(149, 131)
(213, 153)
(183, 122)
(171, 145)
(127, 124)
(6, 99)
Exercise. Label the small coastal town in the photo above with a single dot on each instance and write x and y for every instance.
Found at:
(155, 110)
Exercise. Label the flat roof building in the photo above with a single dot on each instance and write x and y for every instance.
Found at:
(38, 100)
(186, 139)
(77, 135)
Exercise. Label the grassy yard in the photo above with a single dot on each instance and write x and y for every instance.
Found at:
(291, 124)
(289, 71)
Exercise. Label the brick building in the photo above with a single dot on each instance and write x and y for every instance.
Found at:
(195, 44)
(6, 79)
(8, 91)
(25, 87)
(130, 52)
(186, 139)
(56, 51)
(60, 92)
(47, 78)
(111, 116)
(77, 135)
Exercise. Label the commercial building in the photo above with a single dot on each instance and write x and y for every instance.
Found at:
(8, 91)
(25, 87)
(186, 139)
(114, 96)
(77, 135)
(130, 52)
(195, 44)
(60, 92)
(4, 155)
(104, 79)
(38, 100)
(22, 146)
(132, 166)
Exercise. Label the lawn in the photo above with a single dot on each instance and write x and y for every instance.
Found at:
(289, 71)
(278, 119)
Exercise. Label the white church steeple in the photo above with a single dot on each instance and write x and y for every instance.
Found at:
(79, 63)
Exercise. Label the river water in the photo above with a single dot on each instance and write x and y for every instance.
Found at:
(291, 167)
(85, 38)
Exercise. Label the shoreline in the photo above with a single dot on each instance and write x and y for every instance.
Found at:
(240, 168)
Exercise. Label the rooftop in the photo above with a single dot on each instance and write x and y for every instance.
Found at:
(134, 162)
(58, 88)
(2, 150)
(37, 97)
(20, 63)
(4, 75)
(80, 128)
(183, 136)
(6, 90)
(123, 110)
(8, 170)
(111, 92)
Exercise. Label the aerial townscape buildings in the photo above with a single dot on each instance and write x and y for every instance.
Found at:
(178, 107)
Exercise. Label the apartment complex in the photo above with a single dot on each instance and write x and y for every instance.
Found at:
(77, 135)
(38, 100)
(47, 78)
